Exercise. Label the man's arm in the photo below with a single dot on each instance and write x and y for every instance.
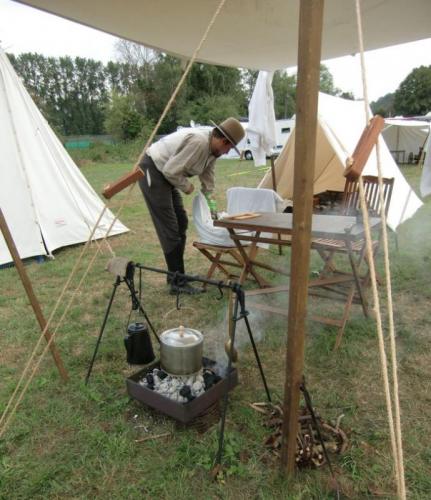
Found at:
(207, 178)
(179, 167)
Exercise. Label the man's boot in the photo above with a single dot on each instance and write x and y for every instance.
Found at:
(172, 263)
(175, 263)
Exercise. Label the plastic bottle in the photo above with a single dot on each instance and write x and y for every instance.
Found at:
(212, 204)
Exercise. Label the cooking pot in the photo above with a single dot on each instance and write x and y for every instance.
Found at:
(181, 351)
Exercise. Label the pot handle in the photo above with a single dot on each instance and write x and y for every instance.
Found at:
(166, 316)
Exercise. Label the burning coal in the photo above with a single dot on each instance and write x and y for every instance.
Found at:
(180, 388)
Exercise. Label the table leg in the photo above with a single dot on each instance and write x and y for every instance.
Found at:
(248, 259)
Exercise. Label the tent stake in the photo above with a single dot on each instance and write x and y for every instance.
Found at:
(31, 295)
(309, 48)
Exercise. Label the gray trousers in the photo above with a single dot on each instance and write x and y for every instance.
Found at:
(166, 208)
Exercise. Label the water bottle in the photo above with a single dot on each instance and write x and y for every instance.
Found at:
(212, 204)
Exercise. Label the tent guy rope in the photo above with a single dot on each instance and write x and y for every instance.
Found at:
(112, 189)
(6, 418)
(396, 442)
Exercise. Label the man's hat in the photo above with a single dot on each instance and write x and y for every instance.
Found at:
(232, 129)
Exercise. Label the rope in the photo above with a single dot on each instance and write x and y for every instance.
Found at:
(180, 83)
(48, 323)
(394, 363)
(396, 442)
(33, 354)
(45, 350)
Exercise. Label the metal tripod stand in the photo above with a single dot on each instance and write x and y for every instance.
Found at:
(239, 313)
(128, 279)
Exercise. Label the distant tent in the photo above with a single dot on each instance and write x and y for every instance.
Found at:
(45, 199)
(340, 124)
(405, 138)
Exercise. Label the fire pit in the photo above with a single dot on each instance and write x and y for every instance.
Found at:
(182, 398)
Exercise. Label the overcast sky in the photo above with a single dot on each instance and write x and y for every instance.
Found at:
(24, 29)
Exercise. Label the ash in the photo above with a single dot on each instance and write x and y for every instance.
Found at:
(180, 388)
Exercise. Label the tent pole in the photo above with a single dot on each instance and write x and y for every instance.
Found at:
(31, 295)
(309, 49)
(274, 188)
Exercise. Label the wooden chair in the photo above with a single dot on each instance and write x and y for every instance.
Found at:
(221, 258)
(224, 257)
(350, 205)
(327, 248)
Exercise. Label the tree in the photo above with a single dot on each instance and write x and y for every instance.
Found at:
(122, 120)
(215, 108)
(157, 90)
(413, 96)
(135, 54)
(346, 95)
(384, 106)
(327, 81)
(284, 89)
(70, 93)
(248, 81)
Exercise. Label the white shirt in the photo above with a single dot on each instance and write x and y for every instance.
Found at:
(183, 154)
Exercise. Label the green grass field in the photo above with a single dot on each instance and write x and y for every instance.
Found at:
(77, 441)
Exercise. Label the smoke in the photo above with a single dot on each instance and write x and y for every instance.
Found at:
(217, 336)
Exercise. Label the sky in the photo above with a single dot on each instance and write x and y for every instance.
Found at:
(24, 29)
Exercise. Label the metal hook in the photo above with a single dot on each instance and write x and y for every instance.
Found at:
(220, 289)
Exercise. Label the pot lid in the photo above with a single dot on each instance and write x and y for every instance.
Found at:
(181, 337)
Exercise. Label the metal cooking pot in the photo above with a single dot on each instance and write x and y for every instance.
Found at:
(181, 351)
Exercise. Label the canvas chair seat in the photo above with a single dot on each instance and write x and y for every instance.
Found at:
(214, 242)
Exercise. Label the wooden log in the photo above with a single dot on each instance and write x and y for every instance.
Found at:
(115, 187)
(31, 295)
(309, 48)
(355, 164)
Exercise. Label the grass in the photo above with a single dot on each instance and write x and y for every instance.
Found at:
(77, 441)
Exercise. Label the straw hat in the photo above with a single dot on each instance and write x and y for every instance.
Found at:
(232, 129)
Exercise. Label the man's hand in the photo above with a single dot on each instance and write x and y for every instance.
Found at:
(212, 204)
(190, 190)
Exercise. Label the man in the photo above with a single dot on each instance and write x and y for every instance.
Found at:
(168, 164)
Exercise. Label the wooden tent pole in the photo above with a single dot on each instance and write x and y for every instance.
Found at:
(309, 49)
(274, 188)
(31, 295)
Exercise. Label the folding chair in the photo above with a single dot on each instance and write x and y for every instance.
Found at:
(350, 205)
(223, 254)
(356, 251)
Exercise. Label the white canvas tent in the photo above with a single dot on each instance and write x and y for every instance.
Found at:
(405, 137)
(340, 125)
(45, 199)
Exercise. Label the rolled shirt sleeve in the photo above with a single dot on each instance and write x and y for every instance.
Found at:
(207, 178)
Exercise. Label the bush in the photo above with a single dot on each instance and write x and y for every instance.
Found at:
(122, 120)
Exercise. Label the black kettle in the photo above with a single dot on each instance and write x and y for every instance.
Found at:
(138, 344)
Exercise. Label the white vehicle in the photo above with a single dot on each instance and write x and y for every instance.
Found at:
(283, 131)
